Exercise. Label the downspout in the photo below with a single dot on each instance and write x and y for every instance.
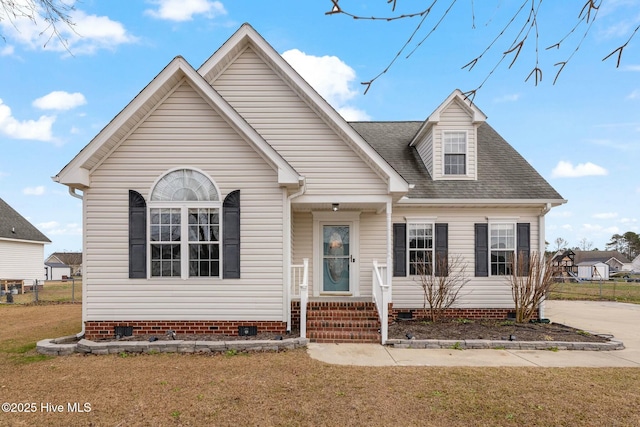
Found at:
(72, 192)
(542, 246)
(289, 250)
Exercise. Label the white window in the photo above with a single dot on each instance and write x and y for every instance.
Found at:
(502, 243)
(184, 226)
(455, 153)
(420, 249)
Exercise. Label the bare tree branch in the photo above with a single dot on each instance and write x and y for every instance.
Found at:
(586, 17)
(53, 13)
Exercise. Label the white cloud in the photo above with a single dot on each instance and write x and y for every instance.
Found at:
(39, 130)
(567, 227)
(507, 98)
(353, 114)
(628, 221)
(184, 10)
(634, 94)
(598, 229)
(34, 191)
(88, 34)
(631, 68)
(605, 215)
(53, 228)
(331, 78)
(60, 100)
(7, 50)
(561, 214)
(568, 170)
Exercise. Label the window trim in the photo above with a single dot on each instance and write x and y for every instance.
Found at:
(514, 260)
(466, 153)
(184, 207)
(420, 221)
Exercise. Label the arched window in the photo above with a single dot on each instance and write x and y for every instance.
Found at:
(184, 226)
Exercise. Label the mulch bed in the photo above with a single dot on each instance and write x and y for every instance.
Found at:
(461, 329)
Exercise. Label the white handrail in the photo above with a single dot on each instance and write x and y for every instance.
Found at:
(380, 293)
(304, 297)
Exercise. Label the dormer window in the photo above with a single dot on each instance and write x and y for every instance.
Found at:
(455, 153)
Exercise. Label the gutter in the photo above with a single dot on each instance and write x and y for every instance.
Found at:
(289, 250)
(72, 192)
(541, 246)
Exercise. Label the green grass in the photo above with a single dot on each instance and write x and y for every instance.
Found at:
(612, 290)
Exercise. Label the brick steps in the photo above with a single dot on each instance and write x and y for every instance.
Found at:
(342, 322)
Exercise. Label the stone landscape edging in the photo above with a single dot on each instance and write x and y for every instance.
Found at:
(68, 345)
(506, 345)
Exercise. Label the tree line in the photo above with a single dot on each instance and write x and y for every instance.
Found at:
(627, 244)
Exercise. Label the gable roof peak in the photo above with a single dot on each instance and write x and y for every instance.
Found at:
(476, 115)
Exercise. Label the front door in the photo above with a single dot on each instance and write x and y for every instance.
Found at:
(336, 258)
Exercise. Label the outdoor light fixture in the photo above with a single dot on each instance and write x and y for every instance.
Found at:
(335, 207)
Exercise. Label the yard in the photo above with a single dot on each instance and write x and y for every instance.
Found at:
(618, 289)
(286, 388)
(56, 291)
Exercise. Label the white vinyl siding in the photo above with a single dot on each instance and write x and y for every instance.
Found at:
(425, 150)
(184, 132)
(295, 130)
(21, 261)
(454, 118)
(480, 292)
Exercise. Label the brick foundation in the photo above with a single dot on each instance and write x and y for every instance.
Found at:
(95, 330)
(457, 313)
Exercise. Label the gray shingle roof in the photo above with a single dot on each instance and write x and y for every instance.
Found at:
(502, 172)
(15, 226)
(602, 256)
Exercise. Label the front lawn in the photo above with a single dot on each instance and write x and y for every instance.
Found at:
(288, 388)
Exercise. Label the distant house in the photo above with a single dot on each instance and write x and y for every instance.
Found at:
(56, 270)
(21, 247)
(563, 263)
(72, 260)
(614, 259)
(205, 195)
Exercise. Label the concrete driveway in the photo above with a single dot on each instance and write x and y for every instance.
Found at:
(618, 319)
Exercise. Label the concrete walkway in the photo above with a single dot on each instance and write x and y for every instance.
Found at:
(618, 319)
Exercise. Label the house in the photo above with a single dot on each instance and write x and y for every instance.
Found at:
(71, 260)
(564, 264)
(56, 270)
(21, 249)
(233, 198)
(593, 270)
(614, 259)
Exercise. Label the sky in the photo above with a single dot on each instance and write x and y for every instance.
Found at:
(582, 134)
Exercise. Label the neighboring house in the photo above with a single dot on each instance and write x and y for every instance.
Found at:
(56, 270)
(564, 264)
(614, 259)
(71, 259)
(634, 265)
(202, 198)
(593, 270)
(21, 248)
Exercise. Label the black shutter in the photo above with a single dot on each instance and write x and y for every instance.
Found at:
(523, 247)
(482, 250)
(137, 236)
(231, 236)
(399, 250)
(441, 247)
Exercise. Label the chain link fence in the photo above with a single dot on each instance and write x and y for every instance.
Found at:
(620, 289)
(42, 291)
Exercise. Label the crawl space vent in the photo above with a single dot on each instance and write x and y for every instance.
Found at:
(123, 331)
(245, 331)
